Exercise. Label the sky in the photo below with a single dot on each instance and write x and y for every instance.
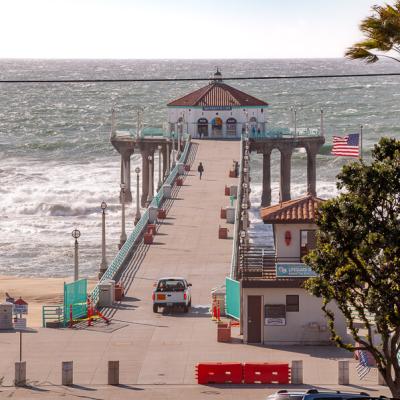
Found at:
(133, 29)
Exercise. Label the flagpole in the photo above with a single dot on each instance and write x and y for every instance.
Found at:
(361, 141)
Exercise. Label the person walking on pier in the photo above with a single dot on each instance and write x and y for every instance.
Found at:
(200, 169)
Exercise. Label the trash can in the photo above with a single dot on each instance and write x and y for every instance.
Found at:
(106, 293)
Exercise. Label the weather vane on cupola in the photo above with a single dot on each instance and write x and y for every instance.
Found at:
(217, 76)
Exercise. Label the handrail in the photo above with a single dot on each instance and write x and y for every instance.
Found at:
(137, 232)
(235, 245)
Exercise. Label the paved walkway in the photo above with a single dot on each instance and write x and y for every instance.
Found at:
(163, 349)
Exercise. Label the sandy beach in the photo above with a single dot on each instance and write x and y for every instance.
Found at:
(36, 292)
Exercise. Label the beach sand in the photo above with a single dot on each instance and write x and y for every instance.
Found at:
(36, 292)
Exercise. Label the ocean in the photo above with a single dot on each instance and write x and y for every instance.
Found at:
(57, 164)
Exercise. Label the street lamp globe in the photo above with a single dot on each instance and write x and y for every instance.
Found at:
(103, 205)
(244, 185)
(76, 233)
(150, 158)
(137, 170)
(242, 234)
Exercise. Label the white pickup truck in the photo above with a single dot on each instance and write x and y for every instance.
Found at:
(172, 292)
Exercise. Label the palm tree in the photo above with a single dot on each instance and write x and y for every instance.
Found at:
(382, 31)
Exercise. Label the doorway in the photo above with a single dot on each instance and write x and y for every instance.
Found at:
(216, 127)
(253, 319)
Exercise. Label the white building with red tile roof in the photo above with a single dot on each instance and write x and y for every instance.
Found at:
(217, 111)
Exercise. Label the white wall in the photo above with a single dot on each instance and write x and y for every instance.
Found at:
(308, 326)
(293, 250)
(191, 116)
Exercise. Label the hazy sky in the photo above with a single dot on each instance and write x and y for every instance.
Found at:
(179, 28)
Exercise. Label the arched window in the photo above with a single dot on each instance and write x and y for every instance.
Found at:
(231, 126)
(253, 124)
(202, 127)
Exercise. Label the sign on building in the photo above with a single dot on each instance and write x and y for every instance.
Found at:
(294, 270)
(275, 315)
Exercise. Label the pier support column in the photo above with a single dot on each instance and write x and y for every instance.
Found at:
(266, 182)
(145, 177)
(312, 169)
(164, 153)
(286, 159)
(126, 176)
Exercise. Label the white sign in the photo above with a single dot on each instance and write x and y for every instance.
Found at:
(20, 323)
(275, 321)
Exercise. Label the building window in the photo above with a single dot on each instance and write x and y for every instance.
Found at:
(231, 124)
(292, 303)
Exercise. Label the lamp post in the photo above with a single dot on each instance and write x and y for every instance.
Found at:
(138, 216)
(151, 185)
(159, 184)
(168, 161)
(76, 234)
(103, 264)
(122, 238)
(180, 127)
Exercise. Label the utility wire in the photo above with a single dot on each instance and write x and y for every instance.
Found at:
(237, 78)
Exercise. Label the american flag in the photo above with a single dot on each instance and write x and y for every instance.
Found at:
(363, 366)
(346, 145)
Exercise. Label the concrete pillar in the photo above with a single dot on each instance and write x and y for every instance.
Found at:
(164, 162)
(113, 372)
(67, 373)
(266, 185)
(20, 373)
(286, 158)
(296, 372)
(145, 178)
(126, 176)
(311, 172)
(343, 372)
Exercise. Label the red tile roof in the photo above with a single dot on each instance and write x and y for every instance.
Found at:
(296, 211)
(217, 94)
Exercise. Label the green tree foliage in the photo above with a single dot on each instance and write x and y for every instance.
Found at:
(357, 258)
(382, 35)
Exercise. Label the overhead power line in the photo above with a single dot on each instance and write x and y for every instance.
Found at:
(233, 78)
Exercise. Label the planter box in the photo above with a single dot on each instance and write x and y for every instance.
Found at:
(227, 191)
(223, 233)
(162, 214)
(151, 228)
(187, 167)
(232, 174)
(148, 238)
(223, 213)
(179, 182)
(223, 333)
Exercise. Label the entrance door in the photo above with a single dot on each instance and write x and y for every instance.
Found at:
(254, 319)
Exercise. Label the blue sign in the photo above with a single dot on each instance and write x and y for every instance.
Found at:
(217, 108)
(293, 270)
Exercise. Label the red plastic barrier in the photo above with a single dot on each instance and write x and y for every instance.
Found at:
(219, 373)
(266, 373)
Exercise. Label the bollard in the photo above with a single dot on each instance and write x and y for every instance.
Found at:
(113, 372)
(20, 373)
(343, 372)
(381, 381)
(67, 373)
(297, 372)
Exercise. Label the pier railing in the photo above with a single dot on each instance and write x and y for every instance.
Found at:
(236, 228)
(281, 133)
(126, 250)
